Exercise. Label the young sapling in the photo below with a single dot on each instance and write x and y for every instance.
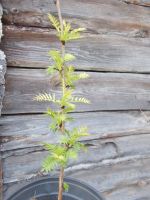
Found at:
(69, 141)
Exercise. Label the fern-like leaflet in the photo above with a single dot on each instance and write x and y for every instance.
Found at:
(46, 97)
(55, 22)
(80, 100)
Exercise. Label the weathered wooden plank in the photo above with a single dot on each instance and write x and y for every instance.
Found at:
(2, 74)
(99, 16)
(1, 13)
(25, 163)
(110, 175)
(106, 91)
(125, 180)
(2, 89)
(137, 191)
(28, 47)
(2, 67)
(139, 2)
(26, 131)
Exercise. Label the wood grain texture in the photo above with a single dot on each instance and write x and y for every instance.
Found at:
(26, 163)
(118, 178)
(2, 77)
(106, 91)
(2, 65)
(2, 89)
(28, 47)
(27, 131)
(122, 180)
(116, 40)
(1, 13)
(99, 16)
(145, 3)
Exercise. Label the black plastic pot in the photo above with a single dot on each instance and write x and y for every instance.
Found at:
(47, 189)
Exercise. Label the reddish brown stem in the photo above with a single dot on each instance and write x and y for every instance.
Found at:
(61, 175)
(59, 14)
(61, 180)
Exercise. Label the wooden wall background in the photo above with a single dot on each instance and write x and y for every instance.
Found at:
(2, 92)
(116, 53)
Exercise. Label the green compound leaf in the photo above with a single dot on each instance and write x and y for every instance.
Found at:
(49, 164)
(67, 33)
(74, 136)
(49, 147)
(51, 70)
(55, 22)
(83, 75)
(69, 57)
(71, 154)
(66, 186)
(75, 34)
(80, 100)
(71, 76)
(45, 97)
(57, 58)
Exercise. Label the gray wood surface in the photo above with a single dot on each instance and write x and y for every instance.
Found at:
(145, 3)
(26, 131)
(2, 79)
(16, 167)
(106, 91)
(117, 178)
(128, 180)
(2, 66)
(116, 52)
(98, 16)
(2, 90)
(98, 151)
(28, 47)
(116, 138)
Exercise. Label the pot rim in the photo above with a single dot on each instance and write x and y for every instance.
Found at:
(54, 178)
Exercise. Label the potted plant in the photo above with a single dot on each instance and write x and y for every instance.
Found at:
(69, 141)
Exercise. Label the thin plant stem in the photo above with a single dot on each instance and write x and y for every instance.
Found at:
(61, 175)
(59, 14)
(61, 179)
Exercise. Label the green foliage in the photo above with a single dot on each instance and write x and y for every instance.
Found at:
(55, 22)
(57, 58)
(51, 70)
(70, 140)
(49, 164)
(72, 137)
(68, 148)
(67, 33)
(65, 186)
(71, 76)
(59, 61)
(83, 75)
(56, 157)
(69, 57)
(46, 97)
(58, 117)
(80, 100)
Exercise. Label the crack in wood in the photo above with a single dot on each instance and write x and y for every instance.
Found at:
(105, 162)
(144, 3)
(86, 166)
